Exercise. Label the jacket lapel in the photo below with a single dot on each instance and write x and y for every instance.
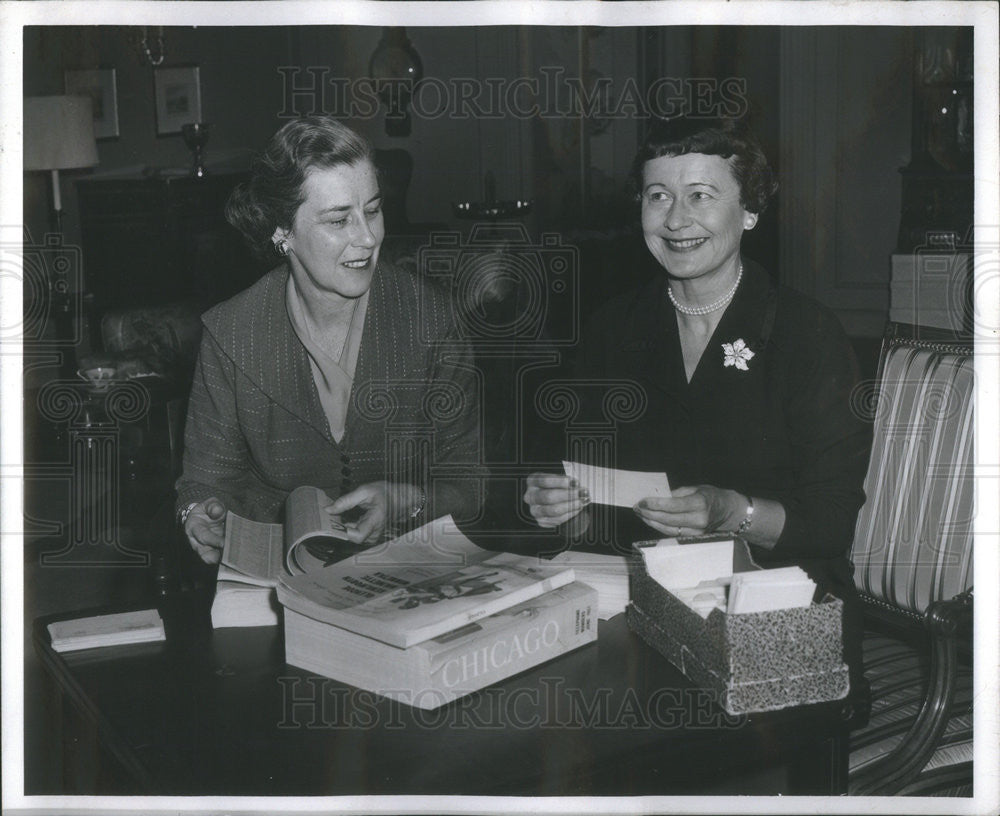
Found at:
(742, 320)
(275, 360)
(280, 367)
(654, 335)
(652, 345)
(373, 362)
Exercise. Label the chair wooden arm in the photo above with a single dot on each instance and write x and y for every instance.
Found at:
(946, 622)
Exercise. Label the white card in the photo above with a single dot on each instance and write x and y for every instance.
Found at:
(621, 488)
(683, 566)
(759, 591)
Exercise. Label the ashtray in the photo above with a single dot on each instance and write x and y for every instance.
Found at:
(99, 378)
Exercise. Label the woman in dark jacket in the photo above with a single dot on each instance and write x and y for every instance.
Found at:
(747, 384)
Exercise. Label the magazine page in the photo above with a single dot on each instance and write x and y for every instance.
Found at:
(254, 550)
(419, 585)
(314, 537)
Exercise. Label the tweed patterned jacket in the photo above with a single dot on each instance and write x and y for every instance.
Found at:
(256, 429)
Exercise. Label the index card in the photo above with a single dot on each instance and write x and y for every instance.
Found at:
(621, 488)
(683, 566)
(767, 590)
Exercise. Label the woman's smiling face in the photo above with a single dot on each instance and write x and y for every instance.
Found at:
(692, 217)
(334, 241)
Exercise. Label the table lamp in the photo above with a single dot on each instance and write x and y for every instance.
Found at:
(58, 135)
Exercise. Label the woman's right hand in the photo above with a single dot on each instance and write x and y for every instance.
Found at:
(205, 528)
(554, 499)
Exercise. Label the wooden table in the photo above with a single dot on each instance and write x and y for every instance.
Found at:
(220, 712)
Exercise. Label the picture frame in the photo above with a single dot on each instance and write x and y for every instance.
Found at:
(177, 94)
(101, 85)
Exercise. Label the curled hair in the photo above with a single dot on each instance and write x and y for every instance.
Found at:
(726, 138)
(273, 194)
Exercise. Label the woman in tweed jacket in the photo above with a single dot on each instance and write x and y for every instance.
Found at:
(334, 370)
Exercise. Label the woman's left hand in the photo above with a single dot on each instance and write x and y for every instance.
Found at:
(693, 511)
(379, 503)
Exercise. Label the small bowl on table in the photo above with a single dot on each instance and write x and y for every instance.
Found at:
(99, 377)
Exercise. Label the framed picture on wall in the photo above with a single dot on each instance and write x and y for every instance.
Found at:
(101, 85)
(178, 98)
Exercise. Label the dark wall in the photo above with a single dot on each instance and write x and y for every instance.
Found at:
(574, 173)
(240, 92)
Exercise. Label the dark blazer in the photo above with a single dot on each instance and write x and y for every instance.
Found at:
(256, 428)
(783, 429)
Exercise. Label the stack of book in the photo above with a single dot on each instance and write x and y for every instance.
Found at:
(608, 574)
(242, 602)
(430, 617)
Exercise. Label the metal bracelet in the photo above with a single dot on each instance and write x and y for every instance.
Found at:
(182, 516)
(747, 519)
(416, 511)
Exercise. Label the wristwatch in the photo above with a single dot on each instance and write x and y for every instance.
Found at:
(744, 527)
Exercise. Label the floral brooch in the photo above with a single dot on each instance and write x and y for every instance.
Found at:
(737, 354)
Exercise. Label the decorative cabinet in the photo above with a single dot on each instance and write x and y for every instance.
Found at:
(931, 283)
(936, 210)
(153, 240)
(937, 189)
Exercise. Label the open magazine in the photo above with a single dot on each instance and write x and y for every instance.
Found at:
(259, 553)
(425, 583)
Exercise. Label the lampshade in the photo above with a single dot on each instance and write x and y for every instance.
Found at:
(58, 132)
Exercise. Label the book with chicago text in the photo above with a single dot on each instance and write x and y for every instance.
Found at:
(444, 668)
(418, 586)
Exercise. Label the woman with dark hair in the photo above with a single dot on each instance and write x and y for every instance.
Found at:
(335, 370)
(747, 384)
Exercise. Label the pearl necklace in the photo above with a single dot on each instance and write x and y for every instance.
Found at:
(712, 307)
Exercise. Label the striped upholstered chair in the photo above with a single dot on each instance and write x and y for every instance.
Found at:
(913, 566)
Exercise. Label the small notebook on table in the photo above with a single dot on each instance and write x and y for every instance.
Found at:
(107, 630)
